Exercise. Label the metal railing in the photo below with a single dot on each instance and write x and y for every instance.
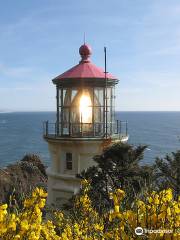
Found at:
(92, 130)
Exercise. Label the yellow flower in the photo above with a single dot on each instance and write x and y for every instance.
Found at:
(28, 202)
(3, 207)
(166, 195)
(98, 227)
(120, 193)
(24, 225)
(157, 210)
(33, 236)
(110, 195)
(12, 225)
(17, 237)
(156, 199)
(39, 192)
(116, 208)
(42, 203)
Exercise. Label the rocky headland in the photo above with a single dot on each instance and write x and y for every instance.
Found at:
(18, 179)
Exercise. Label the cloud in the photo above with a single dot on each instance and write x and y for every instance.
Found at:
(156, 79)
(166, 51)
(130, 90)
(9, 89)
(14, 71)
(162, 85)
(167, 8)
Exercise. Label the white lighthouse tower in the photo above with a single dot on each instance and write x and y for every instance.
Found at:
(85, 123)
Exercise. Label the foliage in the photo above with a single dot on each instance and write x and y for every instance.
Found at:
(154, 211)
(32, 162)
(114, 200)
(18, 179)
(117, 167)
(28, 223)
(168, 172)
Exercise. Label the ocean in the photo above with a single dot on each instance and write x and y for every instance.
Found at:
(21, 133)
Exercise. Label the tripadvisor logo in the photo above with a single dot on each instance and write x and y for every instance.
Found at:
(139, 231)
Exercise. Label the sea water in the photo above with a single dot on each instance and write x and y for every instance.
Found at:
(22, 133)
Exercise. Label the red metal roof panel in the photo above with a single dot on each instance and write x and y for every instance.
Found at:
(85, 70)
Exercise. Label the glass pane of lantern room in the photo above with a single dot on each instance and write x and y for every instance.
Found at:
(75, 105)
(74, 113)
(114, 127)
(98, 121)
(109, 121)
(109, 97)
(98, 111)
(85, 105)
(67, 97)
(59, 121)
(81, 111)
(59, 94)
(65, 121)
(75, 122)
(73, 96)
(58, 126)
(85, 110)
(109, 110)
(98, 97)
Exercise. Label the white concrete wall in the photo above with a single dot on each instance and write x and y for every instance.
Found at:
(62, 183)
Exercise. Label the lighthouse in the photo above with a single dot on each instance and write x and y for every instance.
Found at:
(85, 124)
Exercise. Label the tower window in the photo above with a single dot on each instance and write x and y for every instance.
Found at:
(69, 161)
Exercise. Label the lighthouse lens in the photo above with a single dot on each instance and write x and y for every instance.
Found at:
(85, 109)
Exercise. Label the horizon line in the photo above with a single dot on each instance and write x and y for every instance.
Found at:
(30, 111)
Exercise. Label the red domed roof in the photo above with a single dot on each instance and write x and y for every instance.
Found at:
(85, 51)
(85, 68)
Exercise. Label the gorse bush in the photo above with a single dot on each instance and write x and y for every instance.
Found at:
(118, 167)
(167, 171)
(155, 211)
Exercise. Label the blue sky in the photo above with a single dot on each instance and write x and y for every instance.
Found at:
(40, 39)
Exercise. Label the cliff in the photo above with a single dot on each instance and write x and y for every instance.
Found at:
(19, 179)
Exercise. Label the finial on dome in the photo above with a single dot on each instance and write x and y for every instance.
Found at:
(85, 51)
